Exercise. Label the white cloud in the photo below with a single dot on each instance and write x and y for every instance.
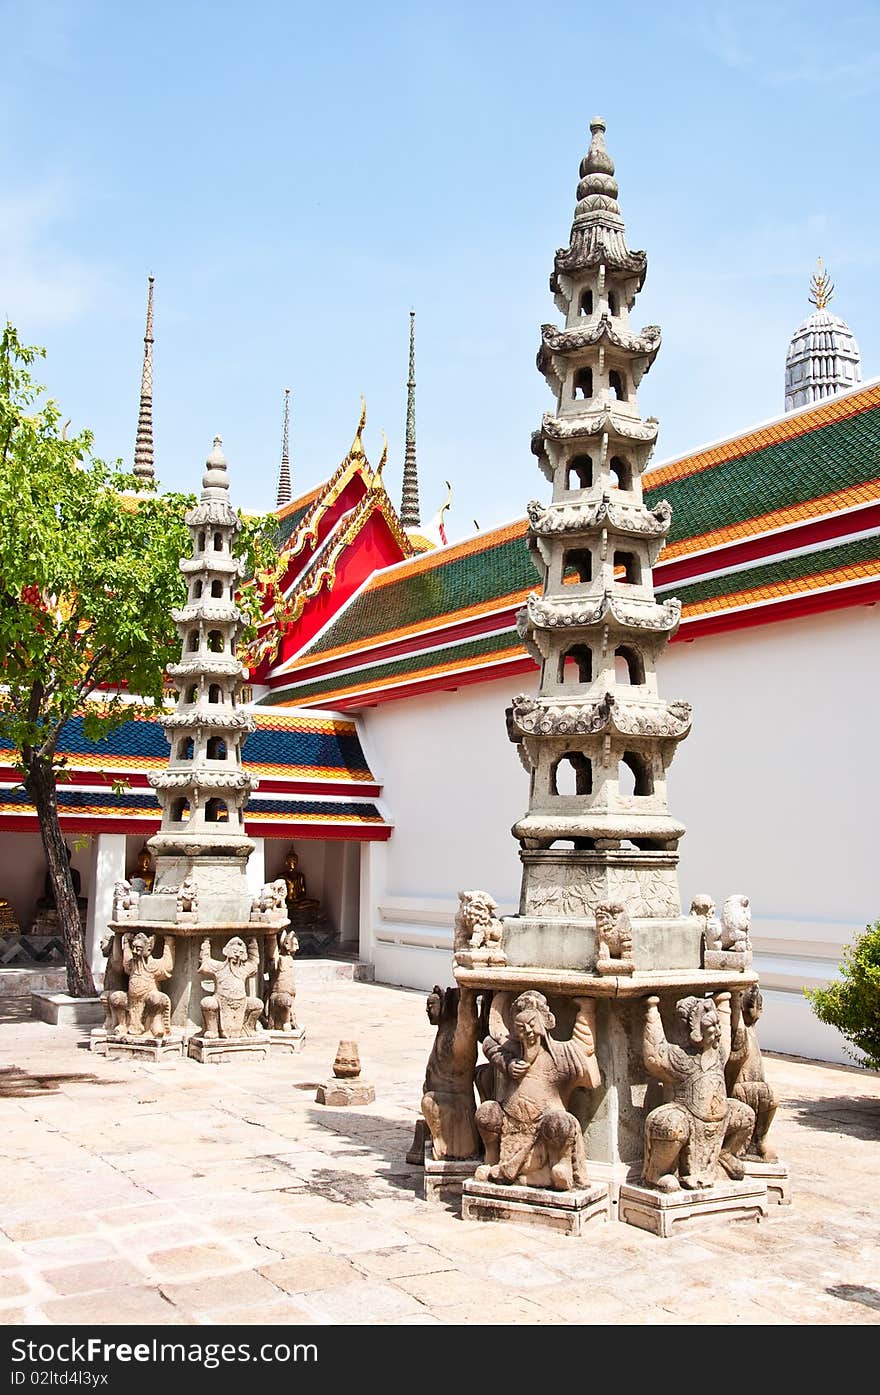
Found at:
(796, 43)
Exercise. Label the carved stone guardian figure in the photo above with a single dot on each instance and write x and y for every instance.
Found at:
(477, 931)
(271, 903)
(230, 1011)
(744, 1072)
(143, 1009)
(732, 949)
(114, 977)
(448, 1102)
(282, 984)
(529, 1137)
(125, 901)
(614, 934)
(700, 1130)
(188, 900)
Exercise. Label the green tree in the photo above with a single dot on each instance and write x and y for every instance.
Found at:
(88, 578)
(852, 1004)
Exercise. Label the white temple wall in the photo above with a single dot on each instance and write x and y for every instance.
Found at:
(776, 784)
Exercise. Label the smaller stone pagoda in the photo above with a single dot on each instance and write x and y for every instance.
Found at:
(198, 964)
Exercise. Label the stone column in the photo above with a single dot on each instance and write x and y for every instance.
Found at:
(108, 867)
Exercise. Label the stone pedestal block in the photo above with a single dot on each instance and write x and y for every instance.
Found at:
(344, 1092)
(217, 1051)
(443, 1178)
(98, 1041)
(775, 1177)
(283, 1043)
(61, 1010)
(569, 1213)
(669, 1213)
(728, 959)
(144, 1048)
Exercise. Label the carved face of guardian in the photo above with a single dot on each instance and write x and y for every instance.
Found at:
(141, 945)
(708, 1025)
(235, 950)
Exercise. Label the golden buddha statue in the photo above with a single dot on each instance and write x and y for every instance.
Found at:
(8, 919)
(298, 898)
(143, 871)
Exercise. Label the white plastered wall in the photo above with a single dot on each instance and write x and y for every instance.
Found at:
(776, 784)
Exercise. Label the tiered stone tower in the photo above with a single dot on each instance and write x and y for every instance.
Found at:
(205, 788)
(598, 738)
(577, 990)
(201, 920)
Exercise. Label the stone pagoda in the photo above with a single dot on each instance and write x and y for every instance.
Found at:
(573, 995)
(212, 930)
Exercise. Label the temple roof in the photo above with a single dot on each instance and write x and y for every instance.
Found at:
(314, 779)
(781, 520)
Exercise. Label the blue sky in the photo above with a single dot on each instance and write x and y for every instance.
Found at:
(297, 176)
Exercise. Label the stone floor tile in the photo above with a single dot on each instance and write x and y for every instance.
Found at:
(401, 1261)
(91, 1276)
(309, 1272)
(363, 1303)
(348, 1237)
(14, 1285)
(188, 1260)
(286, 1244)
(236, 1290)
(286, 1313)
(115, 1305)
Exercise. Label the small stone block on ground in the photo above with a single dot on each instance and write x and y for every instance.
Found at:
(568, 1213)
(283, 1043)
(444, 1177)
(670, 1213)
(60, 1010)
(143, 1048)
(775, 1177)
(217, 1051)
(98, 1041)
(343, 1092)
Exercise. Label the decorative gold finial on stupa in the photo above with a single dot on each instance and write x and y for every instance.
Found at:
(821, 288)
(357, 445)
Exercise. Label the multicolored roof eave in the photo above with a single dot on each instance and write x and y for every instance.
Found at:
(314, 780)
(781, 521)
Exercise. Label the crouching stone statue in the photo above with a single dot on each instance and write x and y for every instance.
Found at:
(282, 983)
(700, 1130)
(529, 1136)
(143, 1010)
(448, 1103)
(745, 1071)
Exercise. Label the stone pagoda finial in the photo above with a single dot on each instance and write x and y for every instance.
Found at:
(285, 493)
(215, 476)
(597, 191)
(143, 448)
(410, 515)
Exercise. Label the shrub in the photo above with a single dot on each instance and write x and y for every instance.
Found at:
(852, 1004)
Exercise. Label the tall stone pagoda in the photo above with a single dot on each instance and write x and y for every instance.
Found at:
(572, 997)
(200, 906)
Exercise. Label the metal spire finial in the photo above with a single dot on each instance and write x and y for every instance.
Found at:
(821, 288)
(284, 491)
(409, 509)
(143, 447)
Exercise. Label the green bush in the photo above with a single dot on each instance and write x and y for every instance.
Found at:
(852, 1004)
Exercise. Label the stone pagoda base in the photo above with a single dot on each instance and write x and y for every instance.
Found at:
(284, 1043)
(216, 1051)
(345, 1092)
(167, 1048)
(569, 1213)
(669, 1213)
(775, 1177)
(444, 1178)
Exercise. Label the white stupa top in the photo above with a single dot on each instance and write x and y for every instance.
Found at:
(823, 357)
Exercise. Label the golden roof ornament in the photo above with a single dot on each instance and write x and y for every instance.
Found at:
(821, 288)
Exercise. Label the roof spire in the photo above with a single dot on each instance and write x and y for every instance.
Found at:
(284, 491)
(821, 288)
(143, 446)
(409, 509)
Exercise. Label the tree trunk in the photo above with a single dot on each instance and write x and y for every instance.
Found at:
(40, 785)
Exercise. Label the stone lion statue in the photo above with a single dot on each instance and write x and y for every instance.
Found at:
(125, 901)
(188, 897)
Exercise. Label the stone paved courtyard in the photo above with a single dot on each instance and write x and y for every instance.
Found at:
(187, 1194)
